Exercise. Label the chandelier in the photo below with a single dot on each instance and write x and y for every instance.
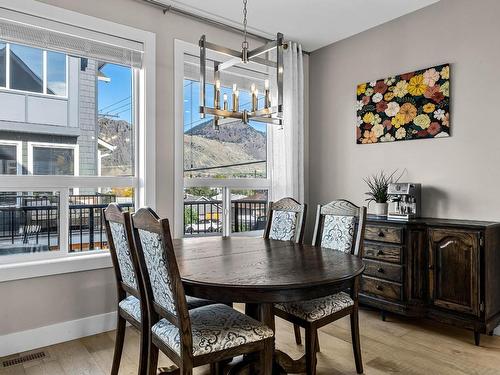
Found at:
(271, 113)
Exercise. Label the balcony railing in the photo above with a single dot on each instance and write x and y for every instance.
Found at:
(30, 223)
(87, 229)
(205, 216)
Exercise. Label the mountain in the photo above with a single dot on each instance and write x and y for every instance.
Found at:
(252, 141)
(119, 134)
(232, 143)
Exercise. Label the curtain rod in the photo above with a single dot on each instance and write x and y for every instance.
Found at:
(171, 9)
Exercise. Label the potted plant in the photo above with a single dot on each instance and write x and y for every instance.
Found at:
(378, 184)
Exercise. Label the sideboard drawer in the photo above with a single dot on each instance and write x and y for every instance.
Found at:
(382, 252)
(392, 272)
(384, 234)
(382, 288)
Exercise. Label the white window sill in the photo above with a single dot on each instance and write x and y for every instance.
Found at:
(54, 266)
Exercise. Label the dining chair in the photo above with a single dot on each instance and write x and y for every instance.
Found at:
(286, 220)
(205, 335)
(131, 308)
(283, 219)
(339, 226)
(129, 284)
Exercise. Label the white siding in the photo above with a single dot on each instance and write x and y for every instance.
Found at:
(48, 111)
(13, 107)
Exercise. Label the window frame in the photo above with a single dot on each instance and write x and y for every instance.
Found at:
(180, 48)
(19, 154)
(64, 146)
(44, 92)
(20, 266)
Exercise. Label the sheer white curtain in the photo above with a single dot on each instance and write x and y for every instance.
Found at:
(287, 153)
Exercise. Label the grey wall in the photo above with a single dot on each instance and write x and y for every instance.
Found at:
(459, 174)
(87, 119)
(28, 304)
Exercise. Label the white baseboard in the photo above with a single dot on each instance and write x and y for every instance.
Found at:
(22, 341)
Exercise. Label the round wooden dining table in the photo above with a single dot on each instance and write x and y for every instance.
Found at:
(260, 272)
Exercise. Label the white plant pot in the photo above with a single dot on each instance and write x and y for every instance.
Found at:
(381, 209)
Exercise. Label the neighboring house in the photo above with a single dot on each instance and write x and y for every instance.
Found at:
(48, 114)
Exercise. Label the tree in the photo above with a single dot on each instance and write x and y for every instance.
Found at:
(201, 192)
(190, 216)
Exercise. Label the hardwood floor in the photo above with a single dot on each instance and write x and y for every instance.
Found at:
(397, 346)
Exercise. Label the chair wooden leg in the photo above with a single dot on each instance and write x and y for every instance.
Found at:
(266, 358)
(144, 352)
(214, 367)
(186, 371)
(356, 344)
(311, 340)
(153, 359)
(317, 344)
(120, 338)
(477, 338)
(296, 330)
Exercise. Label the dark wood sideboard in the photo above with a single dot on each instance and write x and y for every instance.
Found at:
(446, 270)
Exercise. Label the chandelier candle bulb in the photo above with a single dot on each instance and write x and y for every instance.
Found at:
(236, 100)
(255, 100)
(267, 100)
(225, 102)
(217, 95)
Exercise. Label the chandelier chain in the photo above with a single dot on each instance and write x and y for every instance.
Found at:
(245, 43)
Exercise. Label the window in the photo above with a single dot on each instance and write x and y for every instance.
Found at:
(3, 64)
(69, 216)
(26, 68)
(56, 73)
(68, 208)
(29, 222)
(10, 157)
(224, 171)
(33, 70)
(53, 159)
(235, 150)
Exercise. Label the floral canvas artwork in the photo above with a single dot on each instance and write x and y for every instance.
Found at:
(407, 106)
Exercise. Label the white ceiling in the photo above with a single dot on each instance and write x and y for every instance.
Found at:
(314, 23)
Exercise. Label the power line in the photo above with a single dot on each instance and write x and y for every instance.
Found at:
(125, 110)
(116, 109)
(111, 105)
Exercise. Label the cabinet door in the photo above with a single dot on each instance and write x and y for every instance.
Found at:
(454, 269)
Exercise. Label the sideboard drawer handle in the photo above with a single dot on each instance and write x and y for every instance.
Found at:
(381, 234)
(380, 252)
(380, 270)
(379, 287)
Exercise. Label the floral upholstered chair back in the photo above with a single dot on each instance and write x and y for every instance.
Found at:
(340, 226)
(285, 220)
(120, 240)
(155, 254)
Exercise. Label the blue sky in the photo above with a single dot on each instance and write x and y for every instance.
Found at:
(115, 97)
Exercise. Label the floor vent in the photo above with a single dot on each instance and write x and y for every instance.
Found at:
(23, 359)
